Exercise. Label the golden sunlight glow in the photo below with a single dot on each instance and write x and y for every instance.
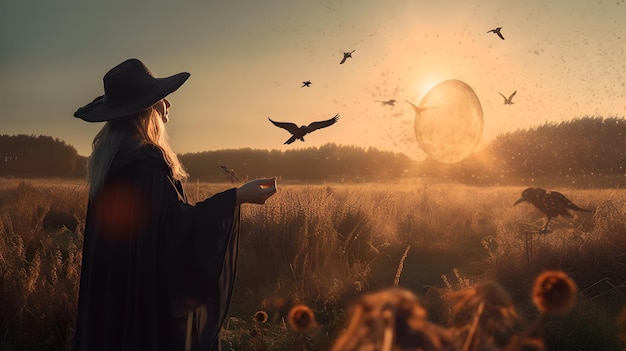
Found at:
(424, 85)
(449, 121)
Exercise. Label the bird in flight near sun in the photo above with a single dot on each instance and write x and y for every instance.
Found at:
(390, 102)
(417, 108)
(300, 132)
(306, 84)
(509, 100)
(346, 55)
(550, 203)
(497, 31)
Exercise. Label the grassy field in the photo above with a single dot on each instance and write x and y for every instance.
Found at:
(326, 245)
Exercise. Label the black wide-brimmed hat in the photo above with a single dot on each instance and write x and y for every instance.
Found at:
(129, 88)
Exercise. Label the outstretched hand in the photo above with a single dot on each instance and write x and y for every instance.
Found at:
(256, 191)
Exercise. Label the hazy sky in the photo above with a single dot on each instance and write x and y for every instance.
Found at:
(248, 60)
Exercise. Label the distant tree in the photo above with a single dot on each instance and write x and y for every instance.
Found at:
(29, 155)
(590, 147)
(583, 147)
(329, 162)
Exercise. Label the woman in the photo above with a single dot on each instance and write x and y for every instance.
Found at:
(157, 272)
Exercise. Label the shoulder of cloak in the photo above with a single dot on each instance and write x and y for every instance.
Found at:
(147, 154)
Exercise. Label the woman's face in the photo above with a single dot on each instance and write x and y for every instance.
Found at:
(163, 107)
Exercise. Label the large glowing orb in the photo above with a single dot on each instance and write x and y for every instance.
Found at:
(449, 121)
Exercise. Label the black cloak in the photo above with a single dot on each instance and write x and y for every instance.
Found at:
(157, 273)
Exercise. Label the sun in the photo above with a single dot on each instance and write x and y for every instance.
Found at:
(449, 121)
(425, 84)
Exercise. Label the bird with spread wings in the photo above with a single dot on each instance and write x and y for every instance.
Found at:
(346, 55)
(498, 31)
(509, 100)
(300, 132)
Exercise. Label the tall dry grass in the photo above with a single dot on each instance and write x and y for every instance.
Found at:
(326, 245)
(39, 270)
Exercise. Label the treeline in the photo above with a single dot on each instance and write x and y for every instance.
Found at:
(39, 156)
(329, 162)
(43, 156)
(586, 151)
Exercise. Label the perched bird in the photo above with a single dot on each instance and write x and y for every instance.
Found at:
(497, 31)
(300, 132)
(391, 102)
(551, 203)
(230, 172)
(346, 55)
(509, 100)
(306, 84)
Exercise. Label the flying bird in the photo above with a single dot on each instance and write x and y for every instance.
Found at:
(418, 109)
(550, 203)
(346, 55)
(390, 102)
(497, 31)
(300, 132)
(509, 100)
(306, 84)
(230, 172)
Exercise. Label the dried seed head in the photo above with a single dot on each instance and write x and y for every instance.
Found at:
(301, 318)
(260, 317)
(554, 292)
(393, 318)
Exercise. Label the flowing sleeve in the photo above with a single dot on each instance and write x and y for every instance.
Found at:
(199, 239)
(203, 265)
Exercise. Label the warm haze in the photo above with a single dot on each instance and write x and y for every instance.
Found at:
(248, 60)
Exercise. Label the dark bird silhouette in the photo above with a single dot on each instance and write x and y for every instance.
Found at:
(497, 31)
(306, 84)
(419, 109)
(346, 55)
(550, 203)
(390, 102)
(230, 173)
(509, 100)
(300, 132)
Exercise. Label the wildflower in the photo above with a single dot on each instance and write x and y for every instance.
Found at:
(554, 292)
(301, 318)
(391, 319)
(260, 317)
(485, 312)
(497, 301)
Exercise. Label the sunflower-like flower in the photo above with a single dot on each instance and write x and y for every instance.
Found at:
(260, 317)
(554, 292)
(301, 318)
(391, 319)
(483, 313)
(497, 304)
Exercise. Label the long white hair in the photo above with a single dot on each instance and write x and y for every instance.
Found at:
(129, 134)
